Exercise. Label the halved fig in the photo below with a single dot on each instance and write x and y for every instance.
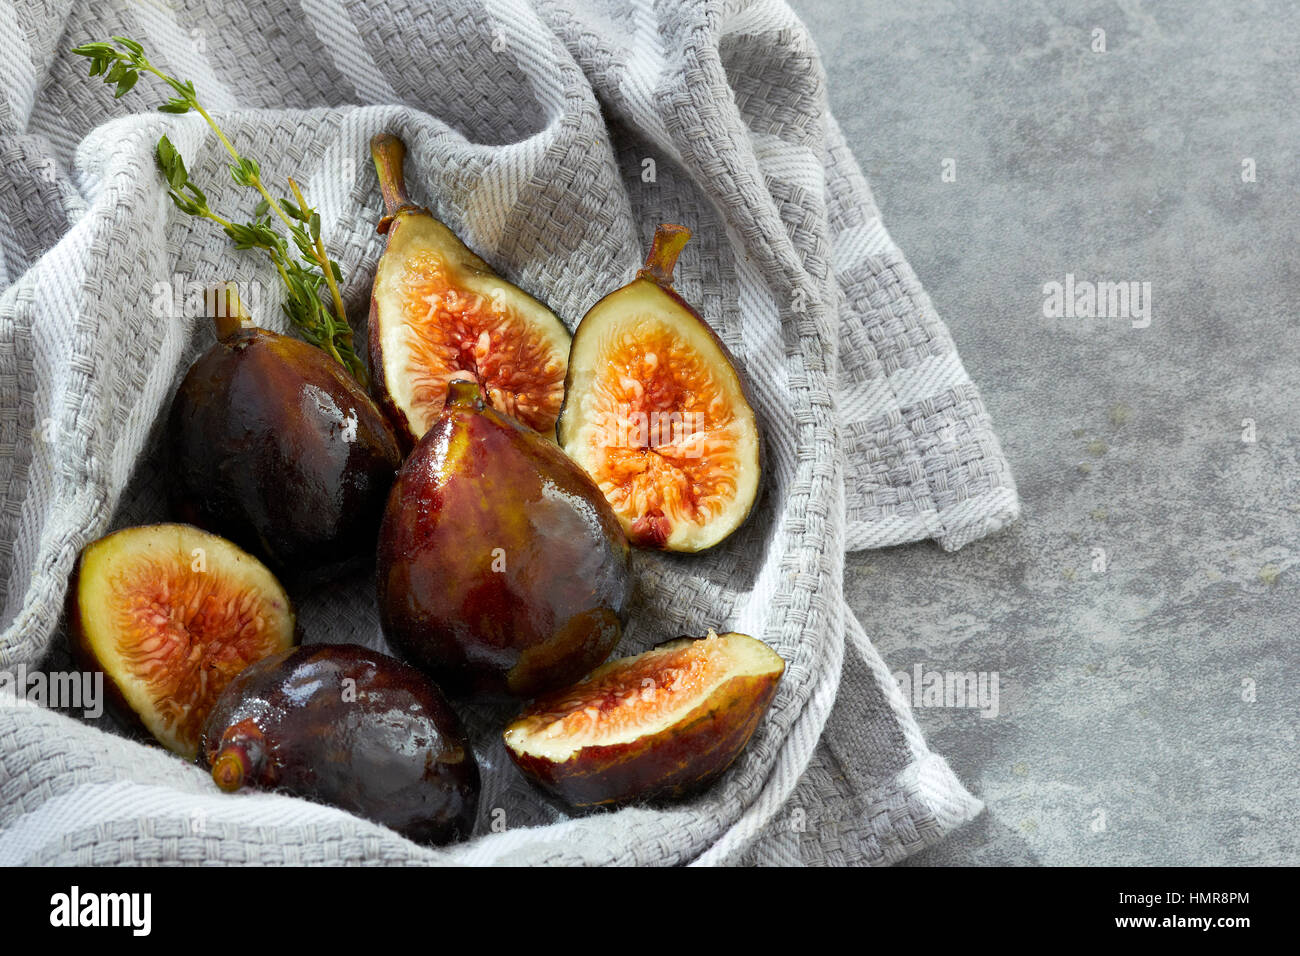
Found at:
(438, 312)
(169, 614)
(659, 725)
(657, 413)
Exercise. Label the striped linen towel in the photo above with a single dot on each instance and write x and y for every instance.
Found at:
(552, 135)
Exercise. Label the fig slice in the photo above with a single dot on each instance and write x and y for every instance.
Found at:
(656, 726)
(438, 312)
(657, 413)
(170, 614)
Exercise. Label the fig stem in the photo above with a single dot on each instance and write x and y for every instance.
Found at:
(464, 392)
(389, 153)
(229, 316)
(230, 769)
(668, 243)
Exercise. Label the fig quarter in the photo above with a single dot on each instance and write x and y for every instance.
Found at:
(439, 312)
(658, 726)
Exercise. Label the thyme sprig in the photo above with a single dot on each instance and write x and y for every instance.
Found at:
(311, 277)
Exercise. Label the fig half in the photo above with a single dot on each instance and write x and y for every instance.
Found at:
(438, 312)
(657, 413)
(170, 614)
(659, 725)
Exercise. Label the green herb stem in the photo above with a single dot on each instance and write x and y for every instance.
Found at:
(303, 304)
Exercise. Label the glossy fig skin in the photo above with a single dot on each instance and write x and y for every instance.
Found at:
(386, 747)
(502, 570)
(275, 446)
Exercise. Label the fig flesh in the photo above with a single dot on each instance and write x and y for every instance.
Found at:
(347, 726)
(276, 446)
(170, 614)
(502, 570)
(438, 312)
(657, 413)
(657, 726)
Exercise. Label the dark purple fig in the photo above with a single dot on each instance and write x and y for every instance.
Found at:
(347, 726)
(275, 446)
(502, 569)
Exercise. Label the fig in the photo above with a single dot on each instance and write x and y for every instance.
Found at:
(657, 413)
(439, 312)
(169, 614)
(276, 446)
(502, 570)
(350, 727)
(657, 726)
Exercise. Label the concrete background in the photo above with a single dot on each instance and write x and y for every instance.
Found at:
(1148, 712)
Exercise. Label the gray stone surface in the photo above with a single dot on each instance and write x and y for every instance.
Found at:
(1122, 692)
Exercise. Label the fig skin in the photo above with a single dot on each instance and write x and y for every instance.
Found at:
(275, 446)
(82, 647)
(669, 764)
(502, 570)
(396, 754)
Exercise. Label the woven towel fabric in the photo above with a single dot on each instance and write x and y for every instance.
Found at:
(552, 135)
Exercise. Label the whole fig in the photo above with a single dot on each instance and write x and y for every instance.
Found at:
(502, 569)
(275, 446)
(347, 726)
